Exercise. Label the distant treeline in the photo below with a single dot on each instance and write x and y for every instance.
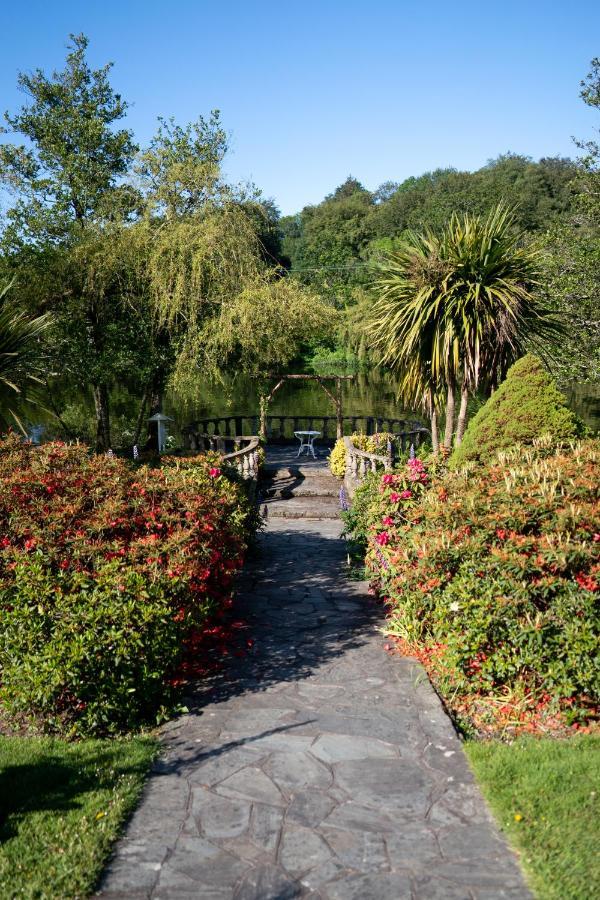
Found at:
(327, 245)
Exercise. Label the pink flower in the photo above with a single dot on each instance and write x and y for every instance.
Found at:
(214, 473)
(406, 495)
(416, 470)
(394, 497)
(388, 478)
(382, 538)
(387, 520)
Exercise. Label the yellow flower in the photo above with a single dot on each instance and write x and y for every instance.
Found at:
(100, 815)
(518, 817)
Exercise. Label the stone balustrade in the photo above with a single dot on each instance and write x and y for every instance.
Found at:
(239, 451)
(245, 458)
(359, 463)
(280, 429)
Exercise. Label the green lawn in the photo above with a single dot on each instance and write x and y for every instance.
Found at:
(61, 807)
(545, 796)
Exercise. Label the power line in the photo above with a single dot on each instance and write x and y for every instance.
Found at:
(327, 268)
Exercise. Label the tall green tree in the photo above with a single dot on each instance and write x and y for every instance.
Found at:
(326, 242)
(589, 179)
(572, 259)
(540, 192)
(68, 173)
(218, 297)
(454, 310)
(69, 188)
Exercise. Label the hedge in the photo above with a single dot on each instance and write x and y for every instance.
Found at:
(104, 570)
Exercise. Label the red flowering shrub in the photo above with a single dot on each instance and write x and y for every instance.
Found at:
(385, 500)
(104, 570)
(492, 577)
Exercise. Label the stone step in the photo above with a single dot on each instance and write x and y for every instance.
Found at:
(300, 471)
(302, 508)
(323, 486)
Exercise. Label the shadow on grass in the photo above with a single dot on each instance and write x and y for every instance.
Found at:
(50, 782)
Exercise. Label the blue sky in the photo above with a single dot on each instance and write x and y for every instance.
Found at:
(311, 92)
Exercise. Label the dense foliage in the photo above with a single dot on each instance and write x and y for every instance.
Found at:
(453, 310)
(491, 578)
(152, 264)
(525, 405)
(19, 357)
(103, 572)
(328, 243)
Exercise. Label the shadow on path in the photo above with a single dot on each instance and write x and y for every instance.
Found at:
(301, 613)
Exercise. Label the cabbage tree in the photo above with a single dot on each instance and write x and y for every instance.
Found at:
(20, 370)
(454, 310)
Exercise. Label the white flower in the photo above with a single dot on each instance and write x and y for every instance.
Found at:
(454, 607)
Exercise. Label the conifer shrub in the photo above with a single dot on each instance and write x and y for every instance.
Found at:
(104, 571)
(491, 576)
(526, 405)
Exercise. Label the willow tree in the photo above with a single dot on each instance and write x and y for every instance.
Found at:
(215, 301)
(453, 311)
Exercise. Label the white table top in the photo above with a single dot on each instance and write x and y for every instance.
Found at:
(307, 432)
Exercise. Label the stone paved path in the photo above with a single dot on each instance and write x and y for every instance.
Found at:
(317, 766)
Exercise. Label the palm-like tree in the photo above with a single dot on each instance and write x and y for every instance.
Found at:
(19, 358)
(456, 309)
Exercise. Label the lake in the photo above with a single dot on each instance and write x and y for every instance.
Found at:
(369, 393)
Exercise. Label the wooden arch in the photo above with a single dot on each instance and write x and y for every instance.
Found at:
(336, 398)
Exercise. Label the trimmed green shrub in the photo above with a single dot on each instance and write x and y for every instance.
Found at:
(526, 405)
(104, 571)
(492, 577)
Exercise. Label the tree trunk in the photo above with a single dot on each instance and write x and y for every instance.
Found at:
(141, 416)
(462, 416)
(101, 404)
(264, 404)
(156, 397)
(450, 404)
(435, 441)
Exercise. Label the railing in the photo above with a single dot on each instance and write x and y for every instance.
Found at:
(244, 454)
(360, 462)
(245, 459)
(282, 428)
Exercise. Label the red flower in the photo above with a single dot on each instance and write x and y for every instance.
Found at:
(394, 497)
(388, 478)
(406, 495)
(387, 520)
(586, 582)
(214, 473)
(382, 538)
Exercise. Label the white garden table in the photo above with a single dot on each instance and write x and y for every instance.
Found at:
(307, 440)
